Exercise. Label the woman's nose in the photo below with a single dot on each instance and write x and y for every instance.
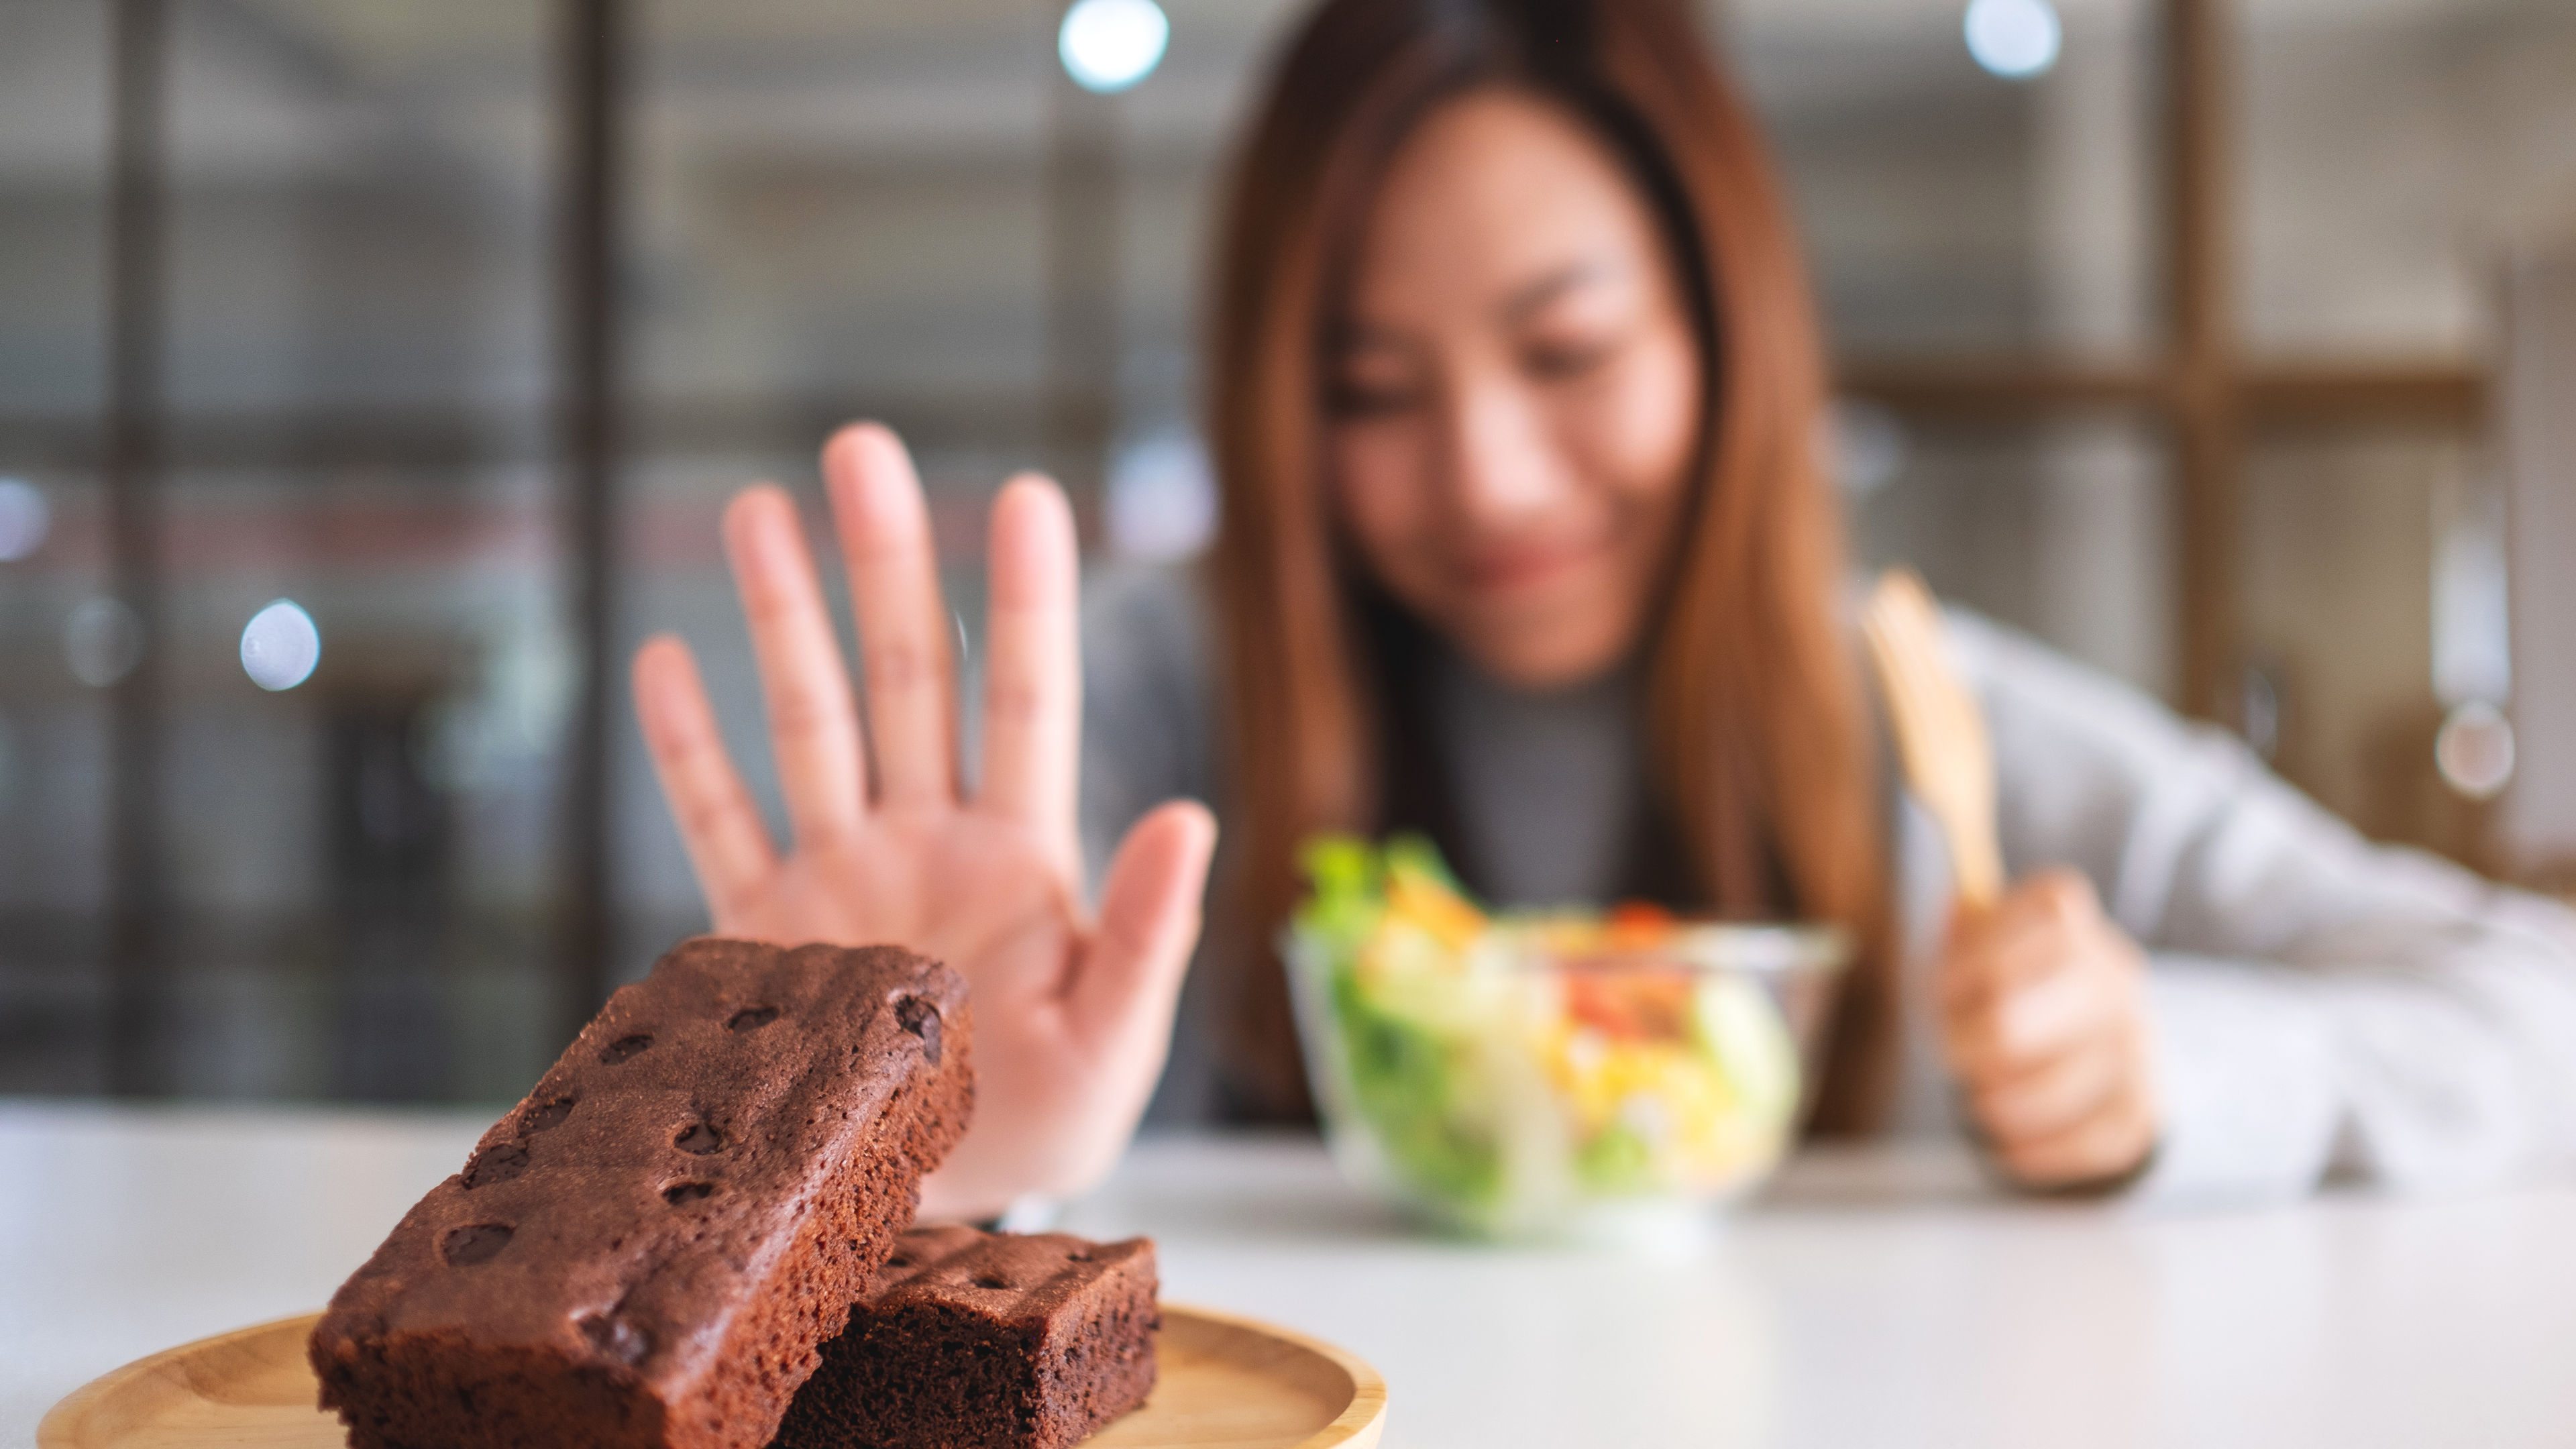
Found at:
(1499, 466)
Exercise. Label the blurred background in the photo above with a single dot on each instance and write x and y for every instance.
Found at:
(371, 376)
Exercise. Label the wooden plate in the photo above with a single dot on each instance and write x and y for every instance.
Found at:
(1227, 1383)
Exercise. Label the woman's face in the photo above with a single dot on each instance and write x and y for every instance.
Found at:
(1514, 391)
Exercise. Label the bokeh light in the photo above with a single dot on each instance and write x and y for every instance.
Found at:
(1870, 447)
(280, 646)
(102, 641)
(2015, 39)
(24, 519)
(1109, 45)
(2475, 750)
(1162, 499)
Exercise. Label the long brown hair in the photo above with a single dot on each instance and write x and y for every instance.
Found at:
(1757, 732)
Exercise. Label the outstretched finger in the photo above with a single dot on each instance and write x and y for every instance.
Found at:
(813, 727)
(1130, 982)
(1033, 661)
(903, 626)
(719, 825)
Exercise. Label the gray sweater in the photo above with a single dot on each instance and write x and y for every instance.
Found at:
(2322, 1006)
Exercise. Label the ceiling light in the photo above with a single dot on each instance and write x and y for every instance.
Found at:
(2015, 39)
(102, 641)
(280, 646)
(1109, 45)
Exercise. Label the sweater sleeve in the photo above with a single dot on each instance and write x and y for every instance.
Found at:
(2322, 1005)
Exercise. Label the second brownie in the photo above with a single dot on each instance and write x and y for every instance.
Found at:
(975, 1340)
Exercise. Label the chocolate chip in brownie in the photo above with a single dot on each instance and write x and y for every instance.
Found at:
(496, 1164)
(921, 1019)
(616, 1337)
(474, 1243)
(547, 1114)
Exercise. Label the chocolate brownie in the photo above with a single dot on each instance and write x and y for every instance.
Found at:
(975, 1340)
(649, 1249)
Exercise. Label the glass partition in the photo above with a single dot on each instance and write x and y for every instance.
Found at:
(363, 644)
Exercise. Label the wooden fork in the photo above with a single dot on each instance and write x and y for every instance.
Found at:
(1940, 734)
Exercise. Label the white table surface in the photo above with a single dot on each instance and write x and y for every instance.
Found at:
(1877, 1297)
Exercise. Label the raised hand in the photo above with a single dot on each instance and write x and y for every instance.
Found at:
(2044, 1016)
(1072, 1015)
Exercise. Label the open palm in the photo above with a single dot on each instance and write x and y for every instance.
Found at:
(1072, 1014)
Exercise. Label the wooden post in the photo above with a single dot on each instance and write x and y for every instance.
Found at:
(2208, 432)
(1082, 289)
(588, 101)
(131, 473)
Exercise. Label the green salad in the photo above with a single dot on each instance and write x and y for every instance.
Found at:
(1508, 1073)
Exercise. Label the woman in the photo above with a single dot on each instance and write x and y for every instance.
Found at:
(1526, 545)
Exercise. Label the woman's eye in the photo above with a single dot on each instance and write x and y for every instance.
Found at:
(1552, 361)
(1347, 398)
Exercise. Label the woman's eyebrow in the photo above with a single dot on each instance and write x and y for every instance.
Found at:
(1348, 335)
(1530, 297)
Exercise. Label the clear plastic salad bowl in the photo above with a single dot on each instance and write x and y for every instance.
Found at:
(1546, 1075)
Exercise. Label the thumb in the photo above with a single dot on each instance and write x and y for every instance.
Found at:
(1149, 920)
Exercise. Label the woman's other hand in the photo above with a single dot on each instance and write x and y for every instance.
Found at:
(2044, 1016)
(1072, 1015)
